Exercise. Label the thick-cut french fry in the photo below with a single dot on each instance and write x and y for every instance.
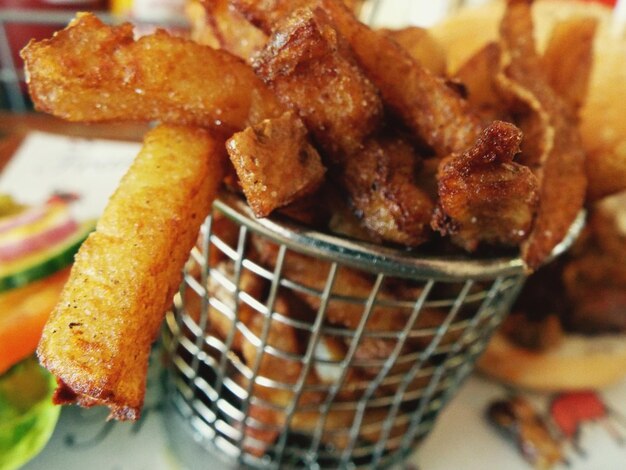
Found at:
(549, 125)
(215, 24)
(306, 59)
(382, 185)
(92, 72)
(568, 59)
(275, 162)
(478, 76)
(484, 196)
(266, 13)
(422, 46)
(311, 69)
(98, 338)
(427, 105)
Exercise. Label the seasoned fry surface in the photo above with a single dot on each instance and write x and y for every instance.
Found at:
(483, 195)
(98, 338)
(214, 23)
(276, 163)
(92, 72)
(427, 105)
(568, 59)
(381, 184)
(311, 69)
(555, 151)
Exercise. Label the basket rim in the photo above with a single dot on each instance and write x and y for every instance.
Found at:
(379, 258)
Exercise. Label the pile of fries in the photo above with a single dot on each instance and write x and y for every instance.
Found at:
(311, 113)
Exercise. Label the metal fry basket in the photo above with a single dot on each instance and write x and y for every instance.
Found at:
(296, 349)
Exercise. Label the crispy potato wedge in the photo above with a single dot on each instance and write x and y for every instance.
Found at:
(422, 46)
(275, 163)
(267, 13)
(98, 338)
(381, 183)
(307, 60)
(92, 72)
(311, 69)
(485, 197)
(214, 23)
(555, 152)
(478, 76)
(568, 59)
(433, 111)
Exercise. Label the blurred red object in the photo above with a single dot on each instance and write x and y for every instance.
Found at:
(610, 3)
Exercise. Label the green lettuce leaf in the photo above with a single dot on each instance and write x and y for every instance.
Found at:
(27, 415)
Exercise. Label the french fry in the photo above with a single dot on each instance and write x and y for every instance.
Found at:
(275, 163)
(92, 72)
(433, 111)
(306, 58)
(478, 76)
(381, 182)
(568, 59)
(484, 196)
(422, 46)
(556, 153)
(311, 69)
(98, 338)
(267, 13)
(215, 24)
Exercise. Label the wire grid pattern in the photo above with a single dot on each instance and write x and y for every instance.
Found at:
(269, 386)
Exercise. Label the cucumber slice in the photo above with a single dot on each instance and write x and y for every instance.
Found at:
(44, 264)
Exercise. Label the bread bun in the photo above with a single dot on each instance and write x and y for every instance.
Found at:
(602, 125)
(578, 362)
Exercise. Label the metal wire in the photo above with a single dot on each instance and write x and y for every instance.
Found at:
(262, 385)
(302, 372)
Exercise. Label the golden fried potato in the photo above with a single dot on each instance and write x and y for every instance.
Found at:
(555, 153)
(311, 69)
(381, 183)
(267, 13)
(275, 163)
(478, 76)
(214, 23)
(91, 72)
(307, 59)
(422, 46)
(98, 338)
(485, 197)
(433, 111)
(568, 59)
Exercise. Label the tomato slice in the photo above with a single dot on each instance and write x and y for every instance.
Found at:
(23, 314)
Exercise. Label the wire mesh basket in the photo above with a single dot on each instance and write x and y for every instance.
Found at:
(292, 348)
